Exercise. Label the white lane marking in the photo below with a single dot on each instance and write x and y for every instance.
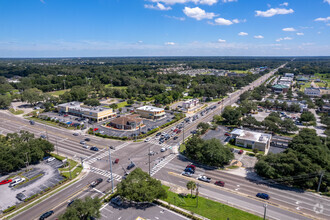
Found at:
(99, 191)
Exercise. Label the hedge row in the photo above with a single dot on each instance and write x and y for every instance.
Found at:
(188, 215)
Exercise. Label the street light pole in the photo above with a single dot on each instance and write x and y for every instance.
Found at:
(69, 167)
(112, 187)
(149, 161)
(318, 187)
(265, 208)
(183, 135)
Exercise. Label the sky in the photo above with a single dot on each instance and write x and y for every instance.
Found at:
(98, 28)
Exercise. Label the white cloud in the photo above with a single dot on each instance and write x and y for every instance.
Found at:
(158, 6)
(221, 41)
(328, 24)
(289, 29)
(300, 34)
(172, 2)
(42, 1)
(285, 38)
(243, 34)
(198, 13)
(326, 1)
(286, 4)
(169, 43)
(274, 11)
(176, 18)
(258, 37)
(323, 19)
(225, 1)
(222, 21)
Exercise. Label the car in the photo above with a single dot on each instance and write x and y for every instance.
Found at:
(21, 197)
(96, 182)
(117, 201)
(151, 153)
(204, 179)
(187, 174)
(87, 139)
(175, 130)
(82, 142)
(75, 134)
(189, 170)
(220, 183)
(94, 148)
(70, 203)
(158, 134)
(178, 131)
(85, 146)
(240, 152)
(16, 182)
(101, 132)
(65, 115)
(43, 136)
(46, 215)
(176, 137)
(147, 139)
(95, 129)
(113, 147)
(163, 149)
(130, 166)
(227, 134)
(263, 196)
(32, 122)
(50, 159)
(116, 160)
(5, 181)
(191, 166)
(232, 149)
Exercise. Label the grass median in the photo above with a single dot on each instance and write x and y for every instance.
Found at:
(208, 208)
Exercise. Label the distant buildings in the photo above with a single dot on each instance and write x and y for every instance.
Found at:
(312, 92)
(252, 140)
(150, 112)
(190, 103)
(325, 109)
(128, 122)
(92, 113)
(302, 79)
(278, 88)
(291, 75)
(302, 104)
(287, 81)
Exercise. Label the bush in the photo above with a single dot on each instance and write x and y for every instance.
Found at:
(9, 209)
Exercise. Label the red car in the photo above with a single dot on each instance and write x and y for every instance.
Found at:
(117, 160)
(191, 166)
(5, 182)
(95, 129)
(240, 152)
(227, 134)
(175, 130)
(178, 131)
(220, 183)
(65, 115)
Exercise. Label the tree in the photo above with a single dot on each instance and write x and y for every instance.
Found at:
(32, 96)
(5, 101)
(209, 152)
(204, 126)
(140, 187)
(288, 125)
(113, 106)
(130, 102)
(307, 116)
(231, 115)
(250, 121)
(255, 151)
(83, 209)
(92, 102)
(191, 185)
(217, 119)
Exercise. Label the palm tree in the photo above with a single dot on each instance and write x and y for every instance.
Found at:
(191, 185)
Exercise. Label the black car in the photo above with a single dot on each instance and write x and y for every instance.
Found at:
(21, 196)
(94, 149)
(70, 203)
(32, 122)
(46, 215)
(158, 134)
(176, 137)
(87, 139)
(43, 136)
(130, 166)
(96, 182)
(117, 201)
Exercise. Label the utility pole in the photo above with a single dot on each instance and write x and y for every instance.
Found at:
(318, 187)
(56, 144)
(265, 207)
(197, 192)
(183, 135)
(149, 161)
(111, 170)
(46, 131)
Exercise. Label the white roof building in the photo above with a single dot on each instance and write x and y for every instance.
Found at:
(252, 139)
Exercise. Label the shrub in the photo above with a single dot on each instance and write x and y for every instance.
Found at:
(9, 209)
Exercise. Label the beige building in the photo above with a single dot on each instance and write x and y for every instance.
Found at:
(150, 112)
(127, 122)
(92, 113)
(252, 140)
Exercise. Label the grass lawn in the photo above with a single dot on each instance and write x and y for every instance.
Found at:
(307, 84)
(239, 71)
(208, 208)
(72, 165)
(321, 84)
(59, 92)
(17, 112)
(182, 148)
(122, 104)
(74, 173)
(242, 148)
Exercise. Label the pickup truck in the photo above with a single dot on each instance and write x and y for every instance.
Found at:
(204, 178)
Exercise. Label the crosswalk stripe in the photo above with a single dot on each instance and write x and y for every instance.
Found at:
(163, 163)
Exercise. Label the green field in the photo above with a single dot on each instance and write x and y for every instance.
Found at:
(208, 208)
(121, 104)
(59, 92)
(239, 71)
(307, 84)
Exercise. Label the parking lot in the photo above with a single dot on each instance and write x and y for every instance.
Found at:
(149, 125)
(45, 176)
(219, 134)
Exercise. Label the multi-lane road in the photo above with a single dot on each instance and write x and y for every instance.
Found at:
(166, 166)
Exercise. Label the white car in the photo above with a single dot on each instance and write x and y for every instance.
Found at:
(147, 139)
(50, 159)
(82, 142)
(16, 182)
(101, 132)
(86, 146)
(163, 149)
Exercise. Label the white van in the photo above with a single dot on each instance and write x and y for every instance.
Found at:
(16, 182)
